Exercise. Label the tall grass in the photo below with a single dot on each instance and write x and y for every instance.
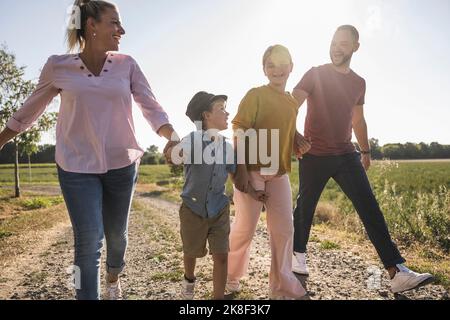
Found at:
(413, 214)
(414, 197)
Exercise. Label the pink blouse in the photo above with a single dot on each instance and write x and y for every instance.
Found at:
(95, 130)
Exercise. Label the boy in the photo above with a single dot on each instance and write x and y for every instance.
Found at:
(205, 212)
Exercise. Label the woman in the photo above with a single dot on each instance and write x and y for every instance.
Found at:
(96, 149)
(268, 108)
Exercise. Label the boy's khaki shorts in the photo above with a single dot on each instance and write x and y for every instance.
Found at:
(195, 231)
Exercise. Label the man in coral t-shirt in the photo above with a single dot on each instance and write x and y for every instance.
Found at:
(335, 96)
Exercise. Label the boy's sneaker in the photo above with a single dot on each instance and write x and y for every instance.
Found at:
(113, 291)
(187, 289)
(233, 286)
(406, 279)
(299, 264)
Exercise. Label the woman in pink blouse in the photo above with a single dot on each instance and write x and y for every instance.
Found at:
(96, 149)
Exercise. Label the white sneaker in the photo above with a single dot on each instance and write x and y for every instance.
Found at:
(406, 279)
(233, 286)
(113, 291)
(299, 264)
(187, 290)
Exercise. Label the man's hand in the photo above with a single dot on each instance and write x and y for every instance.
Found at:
(168, 150)
(365, 160)
(301, 145)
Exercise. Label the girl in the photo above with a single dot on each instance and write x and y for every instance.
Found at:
(271, 108)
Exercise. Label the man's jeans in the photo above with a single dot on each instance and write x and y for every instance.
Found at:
(349, 174)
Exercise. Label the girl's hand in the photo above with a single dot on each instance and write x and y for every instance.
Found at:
(259, 195)
(241, 179)
(301, 145)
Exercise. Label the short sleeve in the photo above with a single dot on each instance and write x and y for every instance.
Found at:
(307, 82)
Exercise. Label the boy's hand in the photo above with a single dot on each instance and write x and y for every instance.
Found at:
(168, 150)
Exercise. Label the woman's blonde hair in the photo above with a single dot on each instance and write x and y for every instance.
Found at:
(76, 37)
(276, 49)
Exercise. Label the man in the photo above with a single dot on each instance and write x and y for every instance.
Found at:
(335, 97)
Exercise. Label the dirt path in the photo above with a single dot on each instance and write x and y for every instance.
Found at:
(154, 265)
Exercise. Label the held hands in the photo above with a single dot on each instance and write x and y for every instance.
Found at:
(301, 145)
(258, 195)
(241, 179)
(168, 150)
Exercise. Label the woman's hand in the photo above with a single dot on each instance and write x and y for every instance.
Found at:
(6, 135)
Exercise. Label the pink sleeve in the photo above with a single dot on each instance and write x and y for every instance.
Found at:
(143, 95)
(36, 104)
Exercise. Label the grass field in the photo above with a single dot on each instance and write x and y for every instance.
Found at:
(414, 197)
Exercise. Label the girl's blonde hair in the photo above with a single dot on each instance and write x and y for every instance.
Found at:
(276, 49)
(76, 37)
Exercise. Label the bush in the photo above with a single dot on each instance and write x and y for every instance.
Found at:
(40, 202)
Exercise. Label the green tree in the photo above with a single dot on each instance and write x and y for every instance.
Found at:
(28, 141)
(436, 150)
(424, 150)
(151, 156)
(375, 149)
(393, 151)
(14, 90)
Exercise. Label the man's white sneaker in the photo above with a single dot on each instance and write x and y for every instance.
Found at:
(113, 291)
(233, 286)
(406, 279)
(187, 289)
(299, 264)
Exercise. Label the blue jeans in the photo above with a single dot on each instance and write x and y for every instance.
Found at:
(99, 206)
(349, 174)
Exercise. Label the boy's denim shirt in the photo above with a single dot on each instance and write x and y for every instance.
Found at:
(206, 167)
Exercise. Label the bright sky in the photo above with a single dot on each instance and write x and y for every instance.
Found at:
(217, 46)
